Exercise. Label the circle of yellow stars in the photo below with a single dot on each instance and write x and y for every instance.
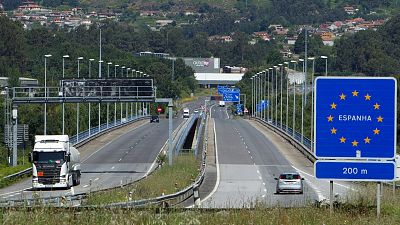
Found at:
(367, 97)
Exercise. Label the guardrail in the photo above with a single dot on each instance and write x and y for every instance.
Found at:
(84, 138)
(185, 133)
(293, 138)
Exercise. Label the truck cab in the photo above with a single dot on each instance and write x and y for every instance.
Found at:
(55, 164)
(186, 113)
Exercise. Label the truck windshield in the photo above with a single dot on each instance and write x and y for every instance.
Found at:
(48, 157)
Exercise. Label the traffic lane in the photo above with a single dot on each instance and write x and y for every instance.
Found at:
(218, 112)
(239, 185)
(306, 168)
(270, 164)
(105, 174)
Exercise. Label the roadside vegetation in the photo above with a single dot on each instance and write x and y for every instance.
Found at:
(359, 211)
(166, 180)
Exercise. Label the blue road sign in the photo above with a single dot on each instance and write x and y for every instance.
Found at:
(355, 118)
(262, 105)
(355, 170)
(231, 96)
(239, 108)
(221, 89)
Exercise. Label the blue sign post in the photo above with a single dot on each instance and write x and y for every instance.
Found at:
(239, 109)
(355, 171)
(231, 96)
(355, 118)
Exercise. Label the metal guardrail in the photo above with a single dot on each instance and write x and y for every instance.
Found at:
(84, 138)
(185, 133)
(287, 134)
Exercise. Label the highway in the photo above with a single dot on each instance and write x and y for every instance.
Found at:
(249, 158)
(128, 156)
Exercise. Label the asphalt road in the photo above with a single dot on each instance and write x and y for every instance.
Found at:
(124, 159)
(248, 163)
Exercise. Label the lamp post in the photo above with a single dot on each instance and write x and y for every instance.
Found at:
(100, 62)
(108, 69)
(77, 106)
(281, 70)
(252, 96)
(276, 95)
(265, 90)
(302, 101)
(326, 64)
(115, 70)
(115, 103)
(90, 75)
(312, 100)
(63, 104)
(294, 99)
(108, 104)
(269, 98)
(45, 92)
(287, 96)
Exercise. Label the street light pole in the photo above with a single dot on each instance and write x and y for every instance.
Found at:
(302, 101)
(252, 96)
(77, 106)
(63, 104)
(287, 96)
(100, 62)
(269, 98)
(312, 101)
(276, 95)
(326, 64)
(115, 103)
(281, 70)
(90, 75)
(45, 93)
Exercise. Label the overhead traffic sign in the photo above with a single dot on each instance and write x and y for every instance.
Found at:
(231, 96)
(355, 170)
(355, 117)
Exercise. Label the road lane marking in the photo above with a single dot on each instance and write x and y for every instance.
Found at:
(265, 190)
(217, 165)
(258, 171)
(85, 186)
(112, 167)
(119, 160)
(96, 179)
(263, 196)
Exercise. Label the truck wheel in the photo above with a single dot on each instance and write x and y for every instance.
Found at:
(78, 182)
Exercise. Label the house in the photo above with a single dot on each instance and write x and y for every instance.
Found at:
(162, 23)
(220, 38)
(291, 40)
(350, 10)
(262, 35)
(278, 29)
(327, 38)
(29, 6)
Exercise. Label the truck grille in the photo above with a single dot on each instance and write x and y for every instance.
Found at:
(51, 174)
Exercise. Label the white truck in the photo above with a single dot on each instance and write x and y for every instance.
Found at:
(186, 113)
(221, 103)
(55, 164)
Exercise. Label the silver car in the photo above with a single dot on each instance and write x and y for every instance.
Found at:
(289, 183)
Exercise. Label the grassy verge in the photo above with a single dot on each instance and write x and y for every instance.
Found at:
(360, 209)
(166, 180)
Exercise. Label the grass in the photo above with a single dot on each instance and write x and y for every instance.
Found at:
(346, 214)
(166, 180)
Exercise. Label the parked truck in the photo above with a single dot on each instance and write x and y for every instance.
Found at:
(55, 164)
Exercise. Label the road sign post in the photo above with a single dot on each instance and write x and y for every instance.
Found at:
(355, 129)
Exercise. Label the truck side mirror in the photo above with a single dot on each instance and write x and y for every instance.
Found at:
(30, 157)
(68, 158)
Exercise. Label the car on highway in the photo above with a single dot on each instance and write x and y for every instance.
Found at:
(196, 111)
(154, 119)
(289, 183)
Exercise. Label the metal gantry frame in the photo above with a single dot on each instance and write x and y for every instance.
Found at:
(58, 95)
